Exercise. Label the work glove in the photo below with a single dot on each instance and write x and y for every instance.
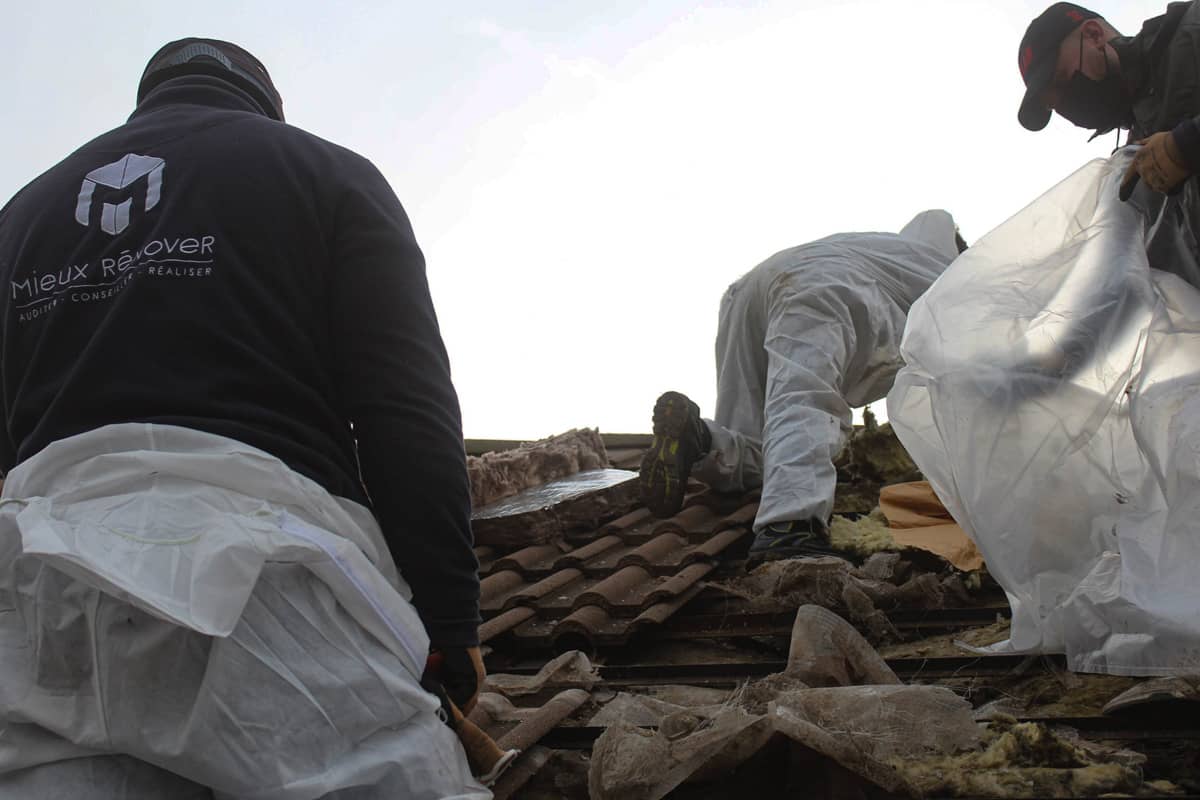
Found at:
(1159, 163)
(459, 671)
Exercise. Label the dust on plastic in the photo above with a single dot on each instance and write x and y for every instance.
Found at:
(1050, 396)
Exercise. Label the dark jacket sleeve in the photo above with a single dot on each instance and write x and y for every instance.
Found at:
(1180, 91)
(393, 374)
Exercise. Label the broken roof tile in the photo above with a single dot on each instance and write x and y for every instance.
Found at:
(523, 769)
(540, 723)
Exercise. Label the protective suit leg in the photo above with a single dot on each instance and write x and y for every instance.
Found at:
(734, 462)
(832, 342)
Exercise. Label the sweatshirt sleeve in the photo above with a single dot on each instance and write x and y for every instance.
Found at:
(393, 374)
(1187, 139)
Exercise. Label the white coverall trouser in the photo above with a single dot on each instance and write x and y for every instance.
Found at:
(182, 616)
(802, 339)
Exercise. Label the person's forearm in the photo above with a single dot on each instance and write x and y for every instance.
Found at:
(1187, 139)
(418, 484)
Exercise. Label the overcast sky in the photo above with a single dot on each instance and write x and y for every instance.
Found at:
(586, 178)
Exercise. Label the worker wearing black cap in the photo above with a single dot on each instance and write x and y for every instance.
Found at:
(235, 518)
(1075, 63)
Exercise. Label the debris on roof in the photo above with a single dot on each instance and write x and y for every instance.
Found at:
(576, 504)
(680, 646)
(863, 536)
(850, 718)
(496, 475)
(863, 594)
(1027, 759)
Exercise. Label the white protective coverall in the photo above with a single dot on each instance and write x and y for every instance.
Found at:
(803, 338)
(182, 616)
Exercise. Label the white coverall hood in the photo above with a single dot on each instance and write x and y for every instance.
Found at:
(934, 228)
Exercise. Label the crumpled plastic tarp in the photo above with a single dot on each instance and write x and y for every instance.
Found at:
(861, 727)
(1050, 396)
(190, 602)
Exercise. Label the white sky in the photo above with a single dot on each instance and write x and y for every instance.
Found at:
(586, 179)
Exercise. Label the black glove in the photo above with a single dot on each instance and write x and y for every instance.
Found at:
(459, 671)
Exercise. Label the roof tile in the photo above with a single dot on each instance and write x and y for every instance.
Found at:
(662, 550)
(698, 520)
(496, 586)
(504, 623)
(563, 705)
(631, 573)
(623, 588)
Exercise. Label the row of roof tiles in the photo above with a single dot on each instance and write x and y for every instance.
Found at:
(632, 573)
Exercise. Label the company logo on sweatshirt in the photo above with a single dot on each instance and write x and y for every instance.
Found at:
(120, 177)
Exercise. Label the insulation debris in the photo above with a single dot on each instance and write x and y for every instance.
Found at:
(862, 537)
(1025, 760)
(861, 594)
(873, 454)
(497, 475)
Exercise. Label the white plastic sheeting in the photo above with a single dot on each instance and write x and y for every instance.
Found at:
(802, 338)
(1051, 397)
(190, 602)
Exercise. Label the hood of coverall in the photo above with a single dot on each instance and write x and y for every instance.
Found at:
(934, 228)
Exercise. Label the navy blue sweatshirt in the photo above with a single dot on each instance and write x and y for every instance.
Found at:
(208, 267)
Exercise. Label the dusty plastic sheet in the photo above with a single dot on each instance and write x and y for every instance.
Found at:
(555, 492)
(572, 669)
(861, 727)
(1050, 396)
(191, 602)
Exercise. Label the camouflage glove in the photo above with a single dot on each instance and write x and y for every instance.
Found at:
(1159, 163)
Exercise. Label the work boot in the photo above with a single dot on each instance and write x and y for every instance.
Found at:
(806, 539)
(680, 440)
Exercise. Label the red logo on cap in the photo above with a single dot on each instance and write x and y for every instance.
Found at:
(1075, 15)
(1026, 60)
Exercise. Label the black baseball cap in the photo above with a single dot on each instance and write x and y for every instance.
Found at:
(224, 60)
(1038, 57)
